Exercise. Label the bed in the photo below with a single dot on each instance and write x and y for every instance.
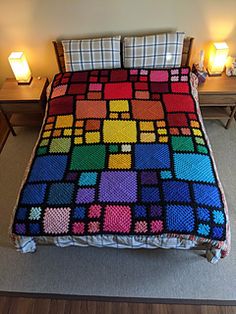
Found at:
(123, 160)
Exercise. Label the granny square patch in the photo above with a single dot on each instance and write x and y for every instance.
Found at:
(122, 152)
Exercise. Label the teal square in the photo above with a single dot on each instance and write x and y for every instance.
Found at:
(113, 148)
(166, 174)
(88, 178)
(202, 149)
(88, 157)
(41, 150)
(182, 144)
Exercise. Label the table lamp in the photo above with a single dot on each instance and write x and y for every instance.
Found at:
(20, 67)
(217, 58)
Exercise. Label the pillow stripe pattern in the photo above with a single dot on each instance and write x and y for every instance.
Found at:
(153, 51)
(92, 54)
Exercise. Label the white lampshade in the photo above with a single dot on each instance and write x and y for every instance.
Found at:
(217, 58)
(20, 67)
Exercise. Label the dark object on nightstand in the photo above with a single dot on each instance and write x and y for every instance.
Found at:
(23, 104)
(217, 98)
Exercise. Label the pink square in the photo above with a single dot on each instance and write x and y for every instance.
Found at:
(143, 72)
(133, 72)
(95, 211)
(95, 87)
(156, 226)
(56, 220)
(141, 227)
(185, 71)
(78, 228)
(159, 76)
(59, 91)
(93, 227)
(175, 72)
(117, 219)
(185, 131)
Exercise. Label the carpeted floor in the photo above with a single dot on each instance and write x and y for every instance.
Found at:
(158, 274)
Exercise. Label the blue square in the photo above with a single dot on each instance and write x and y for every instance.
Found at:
(180, 218)
(176, 191)
(203, 214)
(218, 233)
(88, 178)
(48, 168)
(152, 156)
(34, 228)
(33, 194)
(60, 193)
(79, 212)
(150, 194)
(140, 211)
(193, 167)
(207, 195)
(21, 213)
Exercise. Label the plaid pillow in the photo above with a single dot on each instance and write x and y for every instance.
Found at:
(154, 51)
(90, 54)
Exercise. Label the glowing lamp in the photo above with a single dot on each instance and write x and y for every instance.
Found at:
(20, 67)
(217, 58)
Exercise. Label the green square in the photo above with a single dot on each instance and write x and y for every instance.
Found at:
(182, 144)
(44, 142)
(199, 140)
(88, 157)
(113, 148)
(42, 150)
(60, 145)
(202, 149)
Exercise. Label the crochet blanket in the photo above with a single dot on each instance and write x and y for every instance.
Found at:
(121, 152)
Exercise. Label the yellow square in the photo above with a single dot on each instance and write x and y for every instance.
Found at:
(119, 131)
(194, 124)
(78, 140)
(67, 132)
(146, 126)
(119, 105)
(163, 139)
(119, 161)
(147, 137)
(162, 131)
(161, 124)
(197, 132)
(47, 134)
(92, 137)
(114, 115)
(65, 121)
(78, 131)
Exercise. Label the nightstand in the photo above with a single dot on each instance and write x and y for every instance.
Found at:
(23, 104)
(217, 98)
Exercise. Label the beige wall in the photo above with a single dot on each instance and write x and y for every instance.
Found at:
(31, 25)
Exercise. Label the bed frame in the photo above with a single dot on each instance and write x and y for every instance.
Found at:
(188, 43)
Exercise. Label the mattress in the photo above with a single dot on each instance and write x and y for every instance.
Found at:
(123, 160)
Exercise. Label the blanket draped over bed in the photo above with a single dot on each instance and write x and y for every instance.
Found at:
(123, 152)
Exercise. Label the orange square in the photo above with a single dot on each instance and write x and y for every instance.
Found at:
(147, 110)
(174, 131)
(78, 131)
(142, 95)
(94, 95)
(57, 133)
(50, 119)
(92, 125)
(125, 115)
(161, 124)
(79, 123)
(48, 126)
(90, 109)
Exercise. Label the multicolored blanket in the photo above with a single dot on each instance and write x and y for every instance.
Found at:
(122, 152)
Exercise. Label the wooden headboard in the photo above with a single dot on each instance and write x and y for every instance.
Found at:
(188, 42)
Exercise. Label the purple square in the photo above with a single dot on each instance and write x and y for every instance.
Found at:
(71, 176)
(118, 186)
(148, 177)
(85, 195)
(156, 211)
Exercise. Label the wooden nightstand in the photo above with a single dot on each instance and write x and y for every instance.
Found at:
(217, 98)
(23, 104)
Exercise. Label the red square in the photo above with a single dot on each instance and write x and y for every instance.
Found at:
(61, 105)
(65, 80)
(143, 78)
(159, 87)
(119, 75)
(92, 125)
(103, 79)
(178, 103)
(147, 110)
(79, 77)
(141, 86)
(192, 116)
(93, 79)
(180, 88)
(77, 89)
(118, 91)
(177, 119)
(133, 78)
(90, 109)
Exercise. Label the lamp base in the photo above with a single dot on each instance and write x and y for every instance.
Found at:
(213, 74)
(25, 83)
